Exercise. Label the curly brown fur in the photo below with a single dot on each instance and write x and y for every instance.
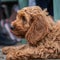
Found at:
(42, 32)
(38, 30)
(8, 49)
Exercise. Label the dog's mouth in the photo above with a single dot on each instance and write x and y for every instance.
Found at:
(19, 32)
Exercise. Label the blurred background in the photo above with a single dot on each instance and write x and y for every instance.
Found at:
(8, 11)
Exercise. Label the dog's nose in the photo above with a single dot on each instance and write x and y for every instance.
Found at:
(11, 27)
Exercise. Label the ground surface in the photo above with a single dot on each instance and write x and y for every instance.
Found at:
(2, 57)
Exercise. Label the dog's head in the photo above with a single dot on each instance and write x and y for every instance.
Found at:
(24, 20)
(30, 23)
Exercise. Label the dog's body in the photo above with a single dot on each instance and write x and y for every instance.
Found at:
(40, 30)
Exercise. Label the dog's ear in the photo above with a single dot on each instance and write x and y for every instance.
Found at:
(38, 29)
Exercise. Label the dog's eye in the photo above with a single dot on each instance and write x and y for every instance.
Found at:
(24, 19)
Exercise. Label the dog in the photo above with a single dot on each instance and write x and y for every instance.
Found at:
(41, 32)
